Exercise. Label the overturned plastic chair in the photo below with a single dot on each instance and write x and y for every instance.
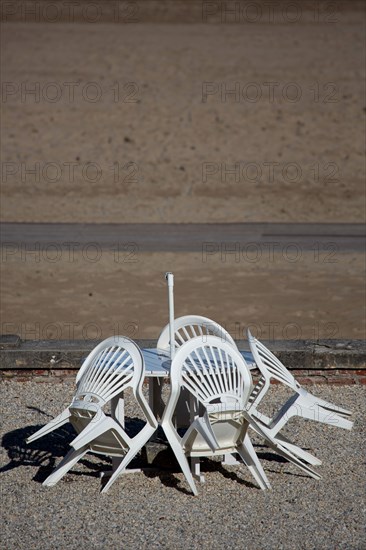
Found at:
(113, 366)
(219, 382)
(302, 404)
(192, 326)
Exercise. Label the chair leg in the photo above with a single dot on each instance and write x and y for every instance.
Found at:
(230, 460)
(196, 469)
(311, 459)
(119, 470)
(280, 449)
(202, 426)
(285, 453)
(72, 457)
(296, 450)
(57, 422)
(116, 461)
(136, 444)
(315, 412)
(310, 410)
(180, 456)
(251, 460)
(118, 409)
(324, 404)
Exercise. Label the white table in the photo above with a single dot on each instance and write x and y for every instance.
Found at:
(157, 361)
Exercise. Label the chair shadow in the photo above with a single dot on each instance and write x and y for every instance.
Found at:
(273, 457)
(41, 454)
(232, 475)
(167, 466)
(44, 452)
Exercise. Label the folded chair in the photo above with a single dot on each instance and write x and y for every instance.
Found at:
(113, 366)
(302, 403)
(219, 382)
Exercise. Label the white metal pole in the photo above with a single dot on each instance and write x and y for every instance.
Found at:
(170, 278)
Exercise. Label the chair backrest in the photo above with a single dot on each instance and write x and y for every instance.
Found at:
(192, 326)
(114, 365)
(213, 371)
(269, 365)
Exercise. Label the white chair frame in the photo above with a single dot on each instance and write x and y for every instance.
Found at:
(113, 366)
(219, 380)
(302, 403)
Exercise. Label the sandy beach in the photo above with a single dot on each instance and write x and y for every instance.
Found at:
(276, 298)
(165, 121)
(183, 123)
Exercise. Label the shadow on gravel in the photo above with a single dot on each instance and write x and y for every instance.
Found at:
(156, 459)
(41, 453)
(45, 452)
(163, 464)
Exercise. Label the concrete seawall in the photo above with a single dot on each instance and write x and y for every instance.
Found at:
(322, 362)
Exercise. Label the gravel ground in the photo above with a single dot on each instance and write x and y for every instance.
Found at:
(155, 509)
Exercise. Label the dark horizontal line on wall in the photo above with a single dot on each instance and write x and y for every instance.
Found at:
(171, 237)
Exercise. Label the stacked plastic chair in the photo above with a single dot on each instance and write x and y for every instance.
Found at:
(113, 366)
(219, 381)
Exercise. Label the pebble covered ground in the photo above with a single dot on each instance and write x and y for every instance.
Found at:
(155, 509)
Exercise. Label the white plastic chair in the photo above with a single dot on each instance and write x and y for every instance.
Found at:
(185, 328)
(113, 366)
(191, 326)
(219, 381)
(302, 403)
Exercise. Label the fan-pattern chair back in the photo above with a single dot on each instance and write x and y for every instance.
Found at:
(269, 365)
(193, 326)
(213, 371)
(113, 366)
